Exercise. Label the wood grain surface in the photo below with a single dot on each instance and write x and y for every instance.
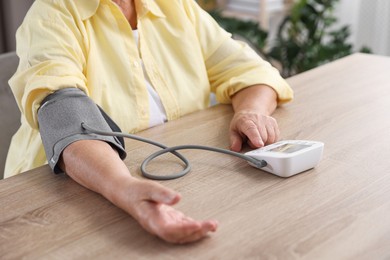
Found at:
(338, 210)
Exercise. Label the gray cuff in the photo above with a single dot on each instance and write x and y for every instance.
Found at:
(60, 117)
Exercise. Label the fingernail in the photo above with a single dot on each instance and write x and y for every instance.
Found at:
(170, 198)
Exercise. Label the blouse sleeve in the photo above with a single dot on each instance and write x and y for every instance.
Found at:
(232, 65)
(52, 56)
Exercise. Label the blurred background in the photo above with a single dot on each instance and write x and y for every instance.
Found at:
(12, 13)
(297, 35)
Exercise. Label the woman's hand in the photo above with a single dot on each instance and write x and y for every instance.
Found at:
(255, 129)
(252, 122)
(151, 205)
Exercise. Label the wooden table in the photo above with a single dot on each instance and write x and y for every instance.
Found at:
(339, 210)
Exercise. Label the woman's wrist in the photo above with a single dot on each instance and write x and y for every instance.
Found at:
(261, 99)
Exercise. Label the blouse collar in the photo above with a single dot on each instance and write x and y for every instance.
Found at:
(88, 8)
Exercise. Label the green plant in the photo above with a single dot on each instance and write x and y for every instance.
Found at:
(248, 30)
(307, 37)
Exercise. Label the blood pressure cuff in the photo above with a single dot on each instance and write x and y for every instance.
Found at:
(60, 117)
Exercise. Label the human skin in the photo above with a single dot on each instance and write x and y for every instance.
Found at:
(252, 121)
(97, 166)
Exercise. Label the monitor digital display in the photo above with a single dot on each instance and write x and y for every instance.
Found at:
(289, 148)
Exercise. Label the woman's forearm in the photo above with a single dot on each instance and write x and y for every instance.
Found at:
(96, 165)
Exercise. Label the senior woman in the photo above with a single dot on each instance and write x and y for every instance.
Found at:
(130, 65)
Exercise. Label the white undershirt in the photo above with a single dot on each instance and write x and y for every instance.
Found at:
(157, 111)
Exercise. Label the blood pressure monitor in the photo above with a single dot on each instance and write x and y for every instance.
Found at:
(289, 157)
